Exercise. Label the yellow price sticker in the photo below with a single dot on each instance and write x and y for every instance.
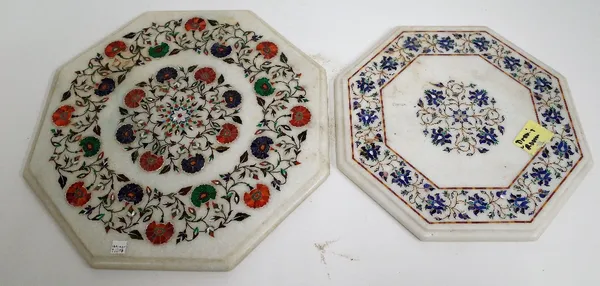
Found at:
(533, 137)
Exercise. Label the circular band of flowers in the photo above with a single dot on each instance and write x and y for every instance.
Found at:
(532, 188)
(179, 119)
(141, 211)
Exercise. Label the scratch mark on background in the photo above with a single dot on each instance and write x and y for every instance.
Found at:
(322, 248)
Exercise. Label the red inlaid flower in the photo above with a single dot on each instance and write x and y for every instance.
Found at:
(267, 49)
(151, 162)
(77, 195)
(228, 134)
(258, 197)
(195, 24)
(115, 48)
(300, 116)
(159, 233)
(62, 115)
(206, 75)
(134, 97)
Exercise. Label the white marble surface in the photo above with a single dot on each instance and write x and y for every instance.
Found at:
(496, 168)
(219, 232)
(35, 251)
(461, 178)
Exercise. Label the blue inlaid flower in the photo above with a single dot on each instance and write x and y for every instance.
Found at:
(488, 136)
(543, 193)
(518, 203)
(435, 204)
(125, 134)
(365, 85)
(367, 116)
(446, 43)
(460, 116)
(481, 43)
(412, 44)
(232, 98)
(166, 74)
(552, 115)
(105, 87)
(370, 151)
(512, 63)
(193, 164)
(541, 176)
(434, 97)
(260, 147)
(477, 204)
(219, 50)
(389, 63)
(440, 136)
(402, 177)
(132, 193)
(562, 149)
(464, 216)
(479, 97)
(542, 84)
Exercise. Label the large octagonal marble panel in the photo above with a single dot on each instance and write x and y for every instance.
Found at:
(180, 141)
(426, 123)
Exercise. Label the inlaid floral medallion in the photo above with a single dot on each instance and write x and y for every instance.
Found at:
(179, 119)
(198, 132)
(460, 117)
(426, 124)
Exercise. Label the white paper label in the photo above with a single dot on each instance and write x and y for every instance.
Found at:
(118, 247)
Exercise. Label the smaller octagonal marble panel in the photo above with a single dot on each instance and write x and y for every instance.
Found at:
(188, 136)
(426, 123)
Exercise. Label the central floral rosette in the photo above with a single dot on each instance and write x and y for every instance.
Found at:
(460, 117)
(178, 119)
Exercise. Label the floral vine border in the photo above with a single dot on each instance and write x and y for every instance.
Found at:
(532, 188)
(129, 207)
